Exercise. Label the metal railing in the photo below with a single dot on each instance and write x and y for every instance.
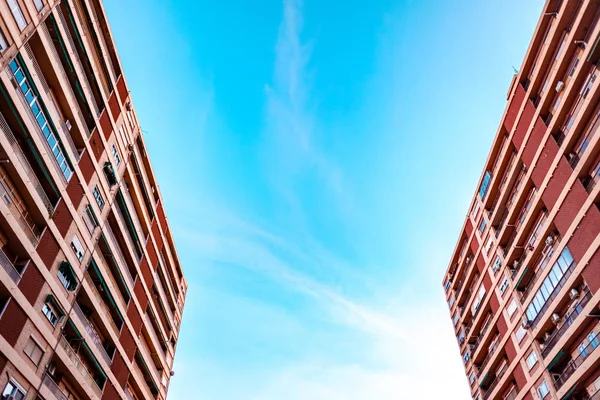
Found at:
(116, 251)
(150, 328)
(50, 105)
(105, 309)
(19, 213)
(9, 268)
(145, 387)
(491, 353)
(133, 211)
(163, 296)
(568, 321)
(93, 334)
(149, 360)
(10, 137)
(103, 45)
(111, 277)
(489, 391)
(77, 62)
(575, 363)
(80, 366)
(54, 389)
(126, 233)
(554, 293)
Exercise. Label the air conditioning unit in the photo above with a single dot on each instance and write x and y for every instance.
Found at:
(560, 86)
(555, 318)
(526, 323)
(542, 346)
(496, 267)
(549, 240)
(573, 294)
(68, 124)
(128, 106)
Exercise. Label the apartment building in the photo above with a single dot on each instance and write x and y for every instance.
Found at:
(91, 287)
(523, 283)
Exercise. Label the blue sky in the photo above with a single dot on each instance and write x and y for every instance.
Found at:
(317, 159)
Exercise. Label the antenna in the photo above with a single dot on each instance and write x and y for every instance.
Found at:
(516, 70)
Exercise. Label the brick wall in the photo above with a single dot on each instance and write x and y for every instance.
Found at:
(557, 183)
(591, 273)
(12, 322)
(544, 162)
(128, 343)
(48, 248)
(86, 166)
(534, 141)
(585, 233)
(570, 207)
(62, 218)
(513, 109)
(523, 125)
(115, 108)
(31, 284)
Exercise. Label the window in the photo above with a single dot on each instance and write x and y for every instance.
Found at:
(448, 285)
(504, 286)
(532, 359)
(67, 277)
(485, 184)
(478, 299)
(520, 334)
(497, 264)
(452, 299)
(77, 248)
(34, 351)
(38, 4)
(475, 210)
(488, 245)
(593, 340)
(15, 390)
(17, 13)
(116, 155)
(555, 275)
(583, 350)
(124, 134)
(455, 319)
(543, 390)
(512, 307)
(52, 311)
(482, 225)
(38, 109)
(466, 357)
(98, 197)
(3, 44)
(461, 337)
(472, 378)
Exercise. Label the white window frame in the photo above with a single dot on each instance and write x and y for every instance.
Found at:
(16, 387)
(116, 155)
(545, 392)
(36, 345)
(50, 312)
(15, 9)
(3, 42)
(39, 4)
(531, 360)
(77, 247)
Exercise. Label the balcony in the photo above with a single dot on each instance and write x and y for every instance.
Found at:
(595, 396)
(554, 293)
(574, 364)
(80, 366)
(54, 389)
(118, 254)
(491, 352)
(9, 268)
(568, 321)
(22, 159)
(151, 329)
(490, 390)
(93, 334)
(149, 360)
(107, 312)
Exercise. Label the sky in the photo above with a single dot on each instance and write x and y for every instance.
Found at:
(317, 159)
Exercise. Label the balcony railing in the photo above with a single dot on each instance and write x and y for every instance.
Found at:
(9, 268)
(77, 62)
(575, 363)
(149, 360)
(80, 366)
(18, 211)
(163, 296)
(491, 353)
(490, 390)
(105, 309)
(116, 250)
(126, 233)
(554, 293)
(484, 330)
(568, 321)
(54, 389)
(93, 334)
(154, 335)
(10, 137)
(595, 396)
(132, 211)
